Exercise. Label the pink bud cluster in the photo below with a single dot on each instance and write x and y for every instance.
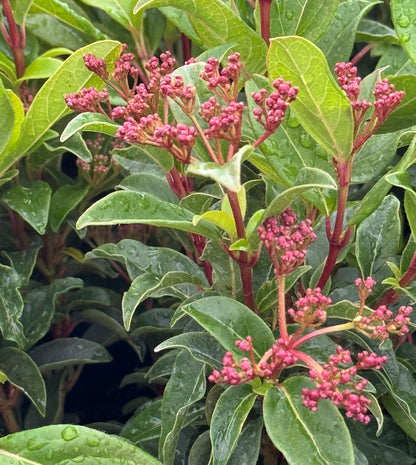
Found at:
(269, 367)
(382, 322)
(221, 81)
(286, 241)
(124, 67)
(96, 65)
(184, 95)
(341, 386)
(310, 309)
(227, 125)
(87, 100)
(150, 130)
(272, 107)
(364, 287)
(386, 100)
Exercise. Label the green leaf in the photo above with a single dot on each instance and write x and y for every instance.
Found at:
(64, 13)
(11, 305)
(373, 31)
(222, 220)
(321, 106)
(127, 207)
(18, 117)
(217, 24)
(202, 346)
(7, 119)
(145, 424)
(377, 193)
(228, 321)
(320, 436)
(40, 304)
(68, 351)
(251, 434)
(306, 18)
(185, 387)
(139, 258)
(20, 9)
(228, 419)
(91, 122)
(378, 237)
(403, 17)
(120, 10)
(147, 182)
(31, 203)
(41, 68)
(338, 41)
(56, 444)
(48, 106)
(148, 285)
(228, 174)
(63, 201)
(308, 178)
(22, 372)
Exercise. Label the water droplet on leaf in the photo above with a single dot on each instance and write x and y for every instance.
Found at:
(306, 141)
(403, 21)
(78, 459)
(405, 37)
(69, 433)
(292, 122)
(34, 444)
(289, 14)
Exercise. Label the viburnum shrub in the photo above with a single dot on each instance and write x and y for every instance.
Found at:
(231, 183)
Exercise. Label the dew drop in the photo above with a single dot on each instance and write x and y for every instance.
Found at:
(412, 11)
(49, 455)
(78, 459)
(93, 442)
(69, 433)
(306, 141)
(405, 38)
(292, 122)
(289, 14)
(34, 444)
(76, 450)
(403, 21)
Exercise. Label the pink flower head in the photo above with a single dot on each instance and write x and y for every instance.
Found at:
(96, 65)
(87, 100)
(310, 308)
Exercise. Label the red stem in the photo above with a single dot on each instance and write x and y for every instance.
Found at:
(15, 41)
(186, 47)
(265, 19)
(361, 53)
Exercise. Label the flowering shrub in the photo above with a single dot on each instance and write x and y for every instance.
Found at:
(231, 183)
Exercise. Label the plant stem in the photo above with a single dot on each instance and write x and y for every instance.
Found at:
(15, 41)
(319, 332)
(265, 19)
(392, 296)
(281, 309)
(338, 238)
(186, 47)
(6, 409)
(361, 53)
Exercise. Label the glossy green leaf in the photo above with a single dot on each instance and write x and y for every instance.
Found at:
(403, 16)
(11, 306)
(22, 372)
(41, 68)
(222, 220)
(68, 351)
(56, 444)
(145, 424)
(228, 321)
(147, 182)
(120, 10)
(148, 284)
(127, 207)
(201, 345)
(63, 201)
(378, 237)
(396, 61)
(251, 434)
(217, 24)
(338, 41)
(31, 203)
(228, 419)
(185, 387)
(321, 106)
(308, 178)
(7, 69)
(7, 119)
(49, 106)
(374, 197)
(372, 31)
(19, 114)
(320, 436)
(91, 122)
(139, 258)
(306, 18)
(228, 174)
(40, 304)
(63, 12)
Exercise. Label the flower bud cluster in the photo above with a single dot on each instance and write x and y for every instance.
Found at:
(310, 309)
(224, 82)
(227, 125)
(341, 385)
(87, 100)
(124, 68)
(382, 322)
(272, 107)
(96, 65)
(184, 95)
(364, 287)
(269, 367)
(386, 100)
(286, 241)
